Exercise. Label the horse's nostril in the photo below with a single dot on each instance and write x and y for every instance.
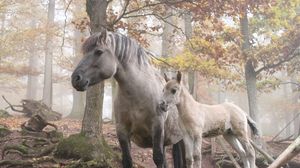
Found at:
(78, 78)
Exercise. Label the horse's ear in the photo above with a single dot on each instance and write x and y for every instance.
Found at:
(102, 39)
(178, 77)
(166, 77)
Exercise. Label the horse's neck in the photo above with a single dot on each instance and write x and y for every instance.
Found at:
(135, 81)
(186, 103)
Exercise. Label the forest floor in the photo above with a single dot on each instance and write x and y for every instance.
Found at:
(141, 157)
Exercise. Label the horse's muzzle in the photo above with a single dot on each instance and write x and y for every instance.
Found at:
(163, 106)
(79, 82)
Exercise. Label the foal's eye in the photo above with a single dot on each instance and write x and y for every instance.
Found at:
(173, 91)
(98, 52)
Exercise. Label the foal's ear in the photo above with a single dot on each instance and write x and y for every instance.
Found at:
(102, 39)
(178, 77)
(166, 77)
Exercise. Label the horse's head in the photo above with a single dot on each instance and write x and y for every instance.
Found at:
(171, 92)
(98, 63)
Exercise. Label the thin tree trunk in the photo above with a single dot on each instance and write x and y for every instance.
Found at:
(32, 80)
(47, 91)
(167, 36)
(114, 88)
(3, 17)
(250, 74)
(78, 97)
(188, 30)
(78, 105)
(92, 120)
(295, 97)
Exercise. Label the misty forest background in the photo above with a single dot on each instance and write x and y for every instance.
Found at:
(241, 51)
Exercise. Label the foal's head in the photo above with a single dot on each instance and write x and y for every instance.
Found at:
(98, 63)
(171, 92)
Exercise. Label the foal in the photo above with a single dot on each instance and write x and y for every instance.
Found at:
(201, 120)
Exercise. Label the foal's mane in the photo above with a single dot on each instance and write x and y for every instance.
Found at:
(125, 48)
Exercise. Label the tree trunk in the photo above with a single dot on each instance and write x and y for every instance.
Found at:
(294, 101)
(192, 75)
(47, 91)
(250, 74)
(32, 80)
(3, 17)
(296, 94)
(114, 88)
(78, 105)
(78, 97)
(167, 36)
(188, 30)
(91, 138)
(92, 120)
(287, 154)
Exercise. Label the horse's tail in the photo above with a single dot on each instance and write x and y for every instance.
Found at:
(253, 126)
(178, 152)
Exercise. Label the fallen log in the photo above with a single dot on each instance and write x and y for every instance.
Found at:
(32, 107)
(291, 151)
(227, 151)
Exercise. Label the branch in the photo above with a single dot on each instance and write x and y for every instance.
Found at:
(176, 27)
(11, 106)
(290, 152)
(123, 13)
(267, 156)
(292, 48)
(227, 151)
(65, 25)
(270, 66)
(294, 83)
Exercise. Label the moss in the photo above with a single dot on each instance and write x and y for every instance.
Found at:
(94, 152)
(4, 131)
(4, 114)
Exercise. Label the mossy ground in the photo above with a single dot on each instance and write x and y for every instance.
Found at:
(94, 152)
(4, 131)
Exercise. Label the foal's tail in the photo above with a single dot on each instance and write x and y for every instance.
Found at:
(253, 126)
(178, 152)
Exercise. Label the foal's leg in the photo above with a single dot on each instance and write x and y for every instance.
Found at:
(189, 150)
(158, 141)
(197, 151)
(250, 152)
(237, 146)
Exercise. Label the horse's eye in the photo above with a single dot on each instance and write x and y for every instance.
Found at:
(173, 91)
(98, 52)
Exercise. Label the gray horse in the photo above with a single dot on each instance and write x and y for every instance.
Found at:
(138, 116)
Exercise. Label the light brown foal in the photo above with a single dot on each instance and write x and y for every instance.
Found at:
(201, 120)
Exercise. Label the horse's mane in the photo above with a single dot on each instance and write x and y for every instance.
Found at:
(125, 48)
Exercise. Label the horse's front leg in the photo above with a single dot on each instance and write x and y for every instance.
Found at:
(158, 141)
(124, 141)
(197, 150)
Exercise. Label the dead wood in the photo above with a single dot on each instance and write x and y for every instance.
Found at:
(291, 151)
(267, 156)
(32, 107)
(227, 151)
(27, 163)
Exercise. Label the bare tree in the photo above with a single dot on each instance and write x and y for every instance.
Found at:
(47, 91)
(32, 80)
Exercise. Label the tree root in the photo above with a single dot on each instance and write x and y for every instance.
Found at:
(27, 163)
